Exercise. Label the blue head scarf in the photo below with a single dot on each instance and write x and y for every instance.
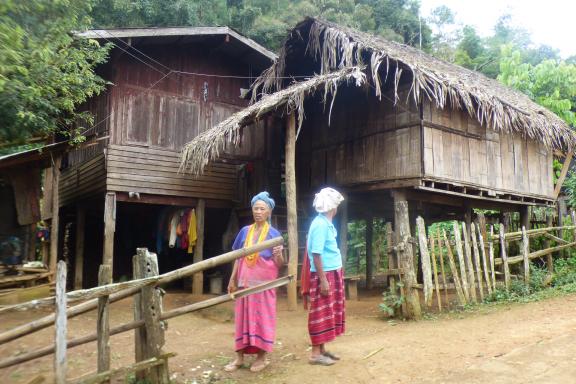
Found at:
(265, 197)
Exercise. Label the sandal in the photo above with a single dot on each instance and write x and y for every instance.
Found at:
(321, 360)
(233, 366)
(257, 366)
(331, 355)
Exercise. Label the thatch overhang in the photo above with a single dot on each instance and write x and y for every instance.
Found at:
(209, 144)
(330, 46)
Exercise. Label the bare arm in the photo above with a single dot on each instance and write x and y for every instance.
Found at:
(232, 284)
(324, 286)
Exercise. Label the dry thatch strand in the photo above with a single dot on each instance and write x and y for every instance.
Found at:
(447, 85)
(209, 144)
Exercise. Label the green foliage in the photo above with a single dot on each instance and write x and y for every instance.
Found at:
(391, 302)
(45, 73)
(266, 21)
(356, 258)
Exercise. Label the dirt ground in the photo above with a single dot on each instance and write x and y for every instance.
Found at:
(520, 343)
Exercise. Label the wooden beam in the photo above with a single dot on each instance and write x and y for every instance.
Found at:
(79, 248)
(55, 222)
(60, 363)
(291, 198)
(343, 232)
(425, 261)
(109, 229)
(406, 258)
(103, 321)
(198, 278)
(563, 173)
(549, 259)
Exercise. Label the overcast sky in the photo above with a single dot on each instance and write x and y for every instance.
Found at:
(550, 22)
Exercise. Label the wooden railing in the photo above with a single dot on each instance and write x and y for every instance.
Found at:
(147, 321)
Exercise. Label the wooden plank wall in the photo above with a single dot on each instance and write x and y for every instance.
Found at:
(83, 180)
(368, 140)
(155, 171)
(458, 149)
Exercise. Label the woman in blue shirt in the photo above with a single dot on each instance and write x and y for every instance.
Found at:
(326, 317)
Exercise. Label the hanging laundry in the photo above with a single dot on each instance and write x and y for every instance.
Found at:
(184, 223)
(174, 221)
(192, 234)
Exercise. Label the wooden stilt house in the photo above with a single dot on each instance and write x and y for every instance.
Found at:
(115, 191)
(400, 132)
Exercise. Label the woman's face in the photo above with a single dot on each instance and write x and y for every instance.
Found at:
(260, 211)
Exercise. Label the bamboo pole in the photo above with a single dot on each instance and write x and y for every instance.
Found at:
(461, 262)
(549, 259)
(533, 232)
(60, 363)
(525, 256)
(290, 172)
(435, 269)
(459, 287)
(477, 264)
(22, 358)
(442, 269)
(491, 255)
(484, 262)
(135, 286)
(109, 228)
(504, 257)
(198, 278)
(469, 263)
(425, 259)
(79, 246)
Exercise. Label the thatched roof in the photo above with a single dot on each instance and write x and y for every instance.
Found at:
(338, 52)
(207, 146)
(445, 84)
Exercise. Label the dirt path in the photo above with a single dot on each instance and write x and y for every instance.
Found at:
(524, 343)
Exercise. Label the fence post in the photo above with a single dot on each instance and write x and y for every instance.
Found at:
(504, 257)
(148, 307)
(103, 323)
(425, 258)
(469, 264)
(525, 252)
(491, 256)
(549, 257)
(477, 264)
(61, 324)
(461, 262)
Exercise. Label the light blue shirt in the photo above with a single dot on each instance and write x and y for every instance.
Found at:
(322, 240)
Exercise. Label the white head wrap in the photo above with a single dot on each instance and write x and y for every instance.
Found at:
(327, 199)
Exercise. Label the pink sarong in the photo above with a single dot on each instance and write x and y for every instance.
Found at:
(327, 315)
(255, 315)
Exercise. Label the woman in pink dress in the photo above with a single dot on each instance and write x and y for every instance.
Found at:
(255, 315)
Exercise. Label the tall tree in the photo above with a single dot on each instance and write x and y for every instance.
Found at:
(45, 72)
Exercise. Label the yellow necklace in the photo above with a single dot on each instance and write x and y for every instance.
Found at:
(253, 258)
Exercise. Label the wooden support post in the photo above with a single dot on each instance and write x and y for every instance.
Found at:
(425, 259)
(477, 264)
(469, 263)
(55, 222)
(109, 229)
(291, 198)
(435, 269)
(442, 269)
(148, 307)
(343, 231)
(31, 241)
(549, 257)
(406, 257)
(79, 248)
(491, 256)
(198, 278)
(573, 217)
(459, 286)
(485, 263)
(60, 363)
(504, 257)
(369, 255)
(525, 253)
(525, 217)
(461, 262)
(103, 321)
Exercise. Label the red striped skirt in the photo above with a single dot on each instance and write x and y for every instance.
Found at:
(327, 314)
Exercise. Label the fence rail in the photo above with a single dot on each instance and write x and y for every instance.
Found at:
(148, 313)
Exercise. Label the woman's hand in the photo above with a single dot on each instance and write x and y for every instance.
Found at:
(277, 255)
(324, 287)
(232, 287)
